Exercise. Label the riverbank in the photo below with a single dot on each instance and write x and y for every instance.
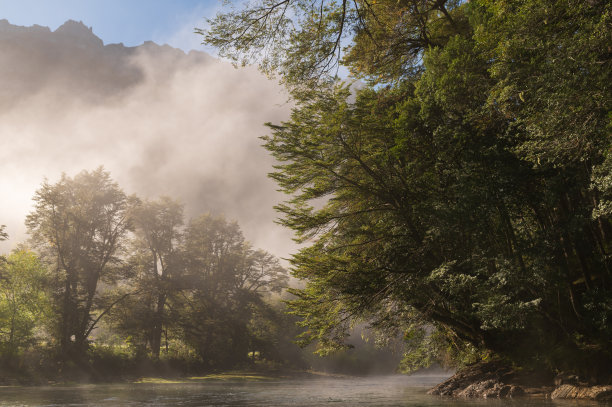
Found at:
(259, 373)
(495, 380)
(242, 375)
(41, 366)
(491, 380)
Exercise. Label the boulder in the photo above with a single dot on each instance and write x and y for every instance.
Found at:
(483, 380)
(570, 391)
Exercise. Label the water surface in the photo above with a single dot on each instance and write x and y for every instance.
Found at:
(382, 391)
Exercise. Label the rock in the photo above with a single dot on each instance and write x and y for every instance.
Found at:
(569, 391)
(466, 377)
(490, 389)
(479, 389)
(484, 380)
(493, 380)
(494, 392)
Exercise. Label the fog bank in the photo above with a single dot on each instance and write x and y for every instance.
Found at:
(161, 121)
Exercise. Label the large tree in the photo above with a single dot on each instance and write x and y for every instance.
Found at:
(225, 282)
(464, 197)
(157, 261)
(78, 225)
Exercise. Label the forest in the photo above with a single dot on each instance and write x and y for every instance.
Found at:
(110, 284)
(459, 194)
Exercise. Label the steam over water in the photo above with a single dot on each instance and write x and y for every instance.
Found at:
(382, 391)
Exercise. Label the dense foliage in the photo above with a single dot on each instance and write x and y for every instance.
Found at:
(24, 301)
(463, 195)
(78, 225)
(115, 284)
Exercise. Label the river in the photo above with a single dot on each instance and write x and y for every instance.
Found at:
(381, 391)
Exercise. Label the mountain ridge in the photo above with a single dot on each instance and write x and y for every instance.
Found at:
(77, 30)
(36, 58)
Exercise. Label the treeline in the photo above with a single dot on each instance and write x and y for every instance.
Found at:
(107, 280)
(463, 195)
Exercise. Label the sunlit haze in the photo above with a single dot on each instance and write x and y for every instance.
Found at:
(161, 121)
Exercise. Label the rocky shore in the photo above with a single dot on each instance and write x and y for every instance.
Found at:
(494, 380)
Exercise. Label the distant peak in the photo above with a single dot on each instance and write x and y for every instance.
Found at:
(79, 30)
(74, 27)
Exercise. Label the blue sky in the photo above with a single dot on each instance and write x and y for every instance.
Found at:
(128, 21)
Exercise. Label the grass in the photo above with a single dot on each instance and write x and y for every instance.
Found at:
(229, 376)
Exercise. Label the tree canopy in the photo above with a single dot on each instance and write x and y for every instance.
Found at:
(114, 279)
(462, 196)
(305, 40)
(24, 301)
(78, 224)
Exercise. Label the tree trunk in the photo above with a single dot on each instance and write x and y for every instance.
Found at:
(158, 320)
(66, 318)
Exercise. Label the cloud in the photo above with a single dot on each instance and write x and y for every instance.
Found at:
(161, 121)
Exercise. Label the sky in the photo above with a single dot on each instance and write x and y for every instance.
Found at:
(161, 122)
(130, 22)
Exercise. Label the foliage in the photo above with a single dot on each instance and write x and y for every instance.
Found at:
(426, 345)
(198, 289)
(463, 196)
(23, 300)
(78, 224)
(227, 280)
(157, 263)
(306, 41)
(124, 286)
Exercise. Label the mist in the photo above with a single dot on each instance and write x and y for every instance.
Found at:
(163, 122)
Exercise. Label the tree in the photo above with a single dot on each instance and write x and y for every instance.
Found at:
(464, 196)
(24, 301)
(224, 284)
(197, 286)
(78, 225)
(157, 264)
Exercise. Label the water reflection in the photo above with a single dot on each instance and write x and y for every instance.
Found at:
(390, 391)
